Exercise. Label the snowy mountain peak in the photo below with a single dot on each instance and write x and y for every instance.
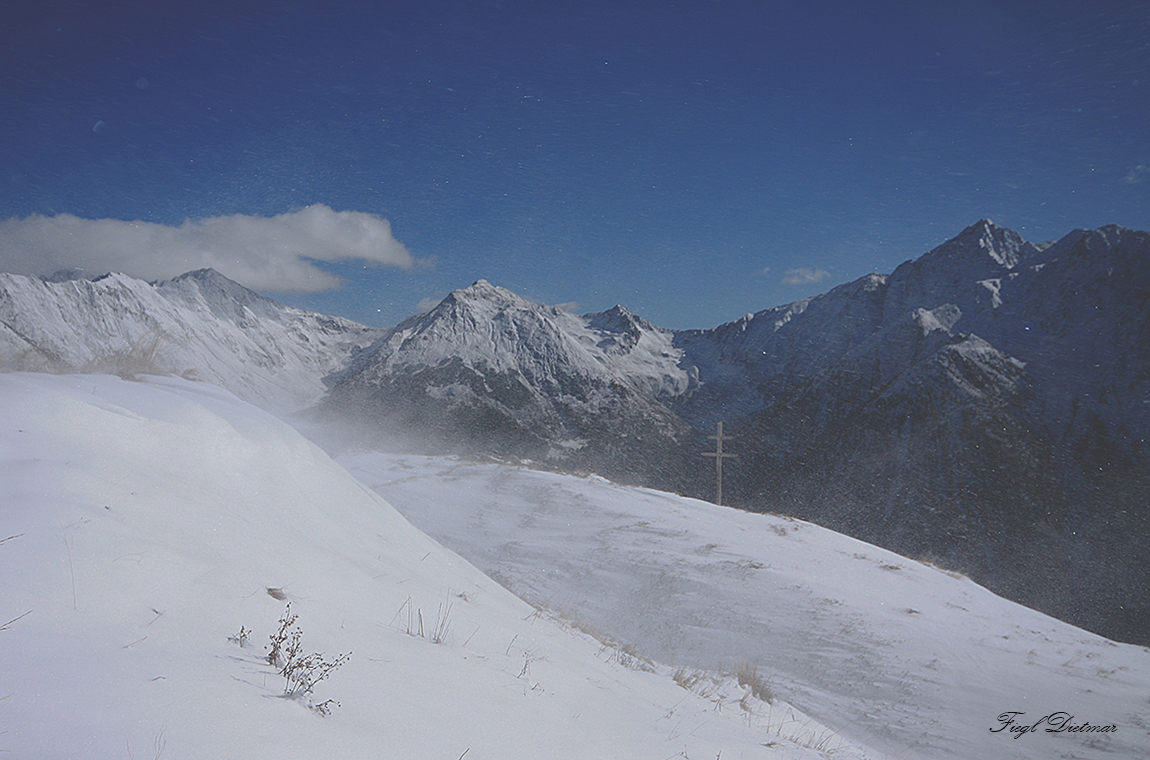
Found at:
(622, 328)
(200, 324)
(1105, 239)
(968, 270)
(489, 369)
(226, 298)
(482, 290)
(467, 307)
(210, 278)
(984, 243)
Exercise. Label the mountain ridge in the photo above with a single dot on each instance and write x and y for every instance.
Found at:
(985, 395)
(199, 324)
(982, 405)
(490, 371)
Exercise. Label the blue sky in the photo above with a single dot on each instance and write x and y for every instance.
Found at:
(693, 161)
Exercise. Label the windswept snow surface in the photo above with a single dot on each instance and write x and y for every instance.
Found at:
(892, 654)
(142, 524)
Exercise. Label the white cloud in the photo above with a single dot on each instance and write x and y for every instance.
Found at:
(262, 253)
(804, 276)
(1137, 174)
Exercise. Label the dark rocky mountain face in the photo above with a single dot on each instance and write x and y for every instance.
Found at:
(995, 422)
(984, 406)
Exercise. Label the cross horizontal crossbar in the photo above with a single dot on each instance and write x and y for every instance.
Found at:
(719, 456)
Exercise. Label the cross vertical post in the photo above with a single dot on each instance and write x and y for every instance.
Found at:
(719, 454)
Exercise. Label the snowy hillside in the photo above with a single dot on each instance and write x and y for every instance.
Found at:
(156, 531)
(154, 534)
(200, 324)
(895, 655)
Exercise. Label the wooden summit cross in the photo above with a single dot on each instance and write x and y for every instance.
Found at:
(718, 454)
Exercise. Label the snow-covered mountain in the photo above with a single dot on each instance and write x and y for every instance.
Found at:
(200, 324)
(983, 405)
(487, 370)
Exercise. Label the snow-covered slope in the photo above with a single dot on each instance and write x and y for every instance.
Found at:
(893, 654)
(200, 324)
(154, 531)
(152, 535)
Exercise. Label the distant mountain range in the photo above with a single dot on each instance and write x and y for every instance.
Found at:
(200, 324)
(985, 406)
